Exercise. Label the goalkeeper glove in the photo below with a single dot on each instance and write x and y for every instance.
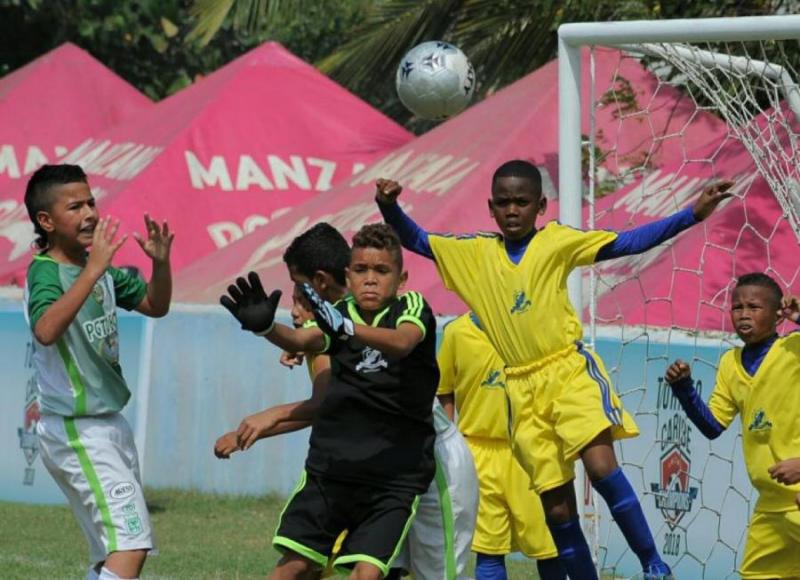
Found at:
(330, 321)
(250, 305)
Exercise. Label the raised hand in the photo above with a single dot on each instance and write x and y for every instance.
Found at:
(678, 371)
(158, 242)
(786, 472)
(386, 191)
(330, 321)
(103, 244)
(710, 198)
(250, 305)
(790, 308)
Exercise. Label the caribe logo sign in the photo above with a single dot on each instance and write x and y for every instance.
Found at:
(673, 494)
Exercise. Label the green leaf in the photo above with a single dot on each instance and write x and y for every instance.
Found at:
(168, 27)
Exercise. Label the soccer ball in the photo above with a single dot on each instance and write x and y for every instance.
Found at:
(435, 80)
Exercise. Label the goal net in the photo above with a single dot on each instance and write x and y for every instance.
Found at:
(734, 87)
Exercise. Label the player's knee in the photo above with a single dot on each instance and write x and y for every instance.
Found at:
(366, 571)
(123, 564)
(559, 504)
(295, 566)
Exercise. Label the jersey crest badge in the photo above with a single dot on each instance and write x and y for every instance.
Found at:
(493, 380)
(760, 421)
(521, 303)
(372, 361)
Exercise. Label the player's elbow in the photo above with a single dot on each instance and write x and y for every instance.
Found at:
(160, 312)
(44, 333)
(45, 338)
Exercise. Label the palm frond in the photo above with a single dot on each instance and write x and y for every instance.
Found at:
(210, 15)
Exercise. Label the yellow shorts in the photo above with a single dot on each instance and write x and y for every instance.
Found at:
(558, 406)
(773, 546)
(510, 515)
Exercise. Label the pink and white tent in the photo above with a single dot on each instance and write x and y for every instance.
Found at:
(47, 107)
(447, 172)
(687, 283)
(230, 153)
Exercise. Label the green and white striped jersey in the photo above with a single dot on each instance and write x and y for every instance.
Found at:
(79, 375)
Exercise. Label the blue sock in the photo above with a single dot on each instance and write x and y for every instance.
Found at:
(627, 512)
(551, 569)
(490, 567)
(573, 551)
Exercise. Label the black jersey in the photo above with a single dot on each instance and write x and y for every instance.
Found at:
(375, 423)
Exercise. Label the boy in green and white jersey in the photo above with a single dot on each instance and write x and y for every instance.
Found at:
(70, 304)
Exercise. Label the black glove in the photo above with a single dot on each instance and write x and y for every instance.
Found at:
(250, 305)
(330, 321)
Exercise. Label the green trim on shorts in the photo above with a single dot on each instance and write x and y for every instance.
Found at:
(339, 563)
(384, 568)
(282, 544)
(75, 380)
(94, 482)
(301, 483)
(447, 521)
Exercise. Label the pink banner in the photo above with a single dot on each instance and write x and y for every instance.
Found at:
(229, 154)
(47, 108)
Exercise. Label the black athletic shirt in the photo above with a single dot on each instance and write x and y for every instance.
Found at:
(375, 424)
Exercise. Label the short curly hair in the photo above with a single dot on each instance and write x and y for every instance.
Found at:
(321, 248)
(764, 281)
(380, 237)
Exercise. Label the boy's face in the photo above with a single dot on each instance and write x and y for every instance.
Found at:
(754, 313)
(301, 311)
(374, 277)
(72, 216)
(515, 204)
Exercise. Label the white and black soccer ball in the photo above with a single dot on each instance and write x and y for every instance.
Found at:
(435, 80)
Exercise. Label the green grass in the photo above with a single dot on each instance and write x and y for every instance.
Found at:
(199, 536)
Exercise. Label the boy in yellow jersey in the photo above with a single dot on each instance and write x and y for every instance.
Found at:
(759, 382)
(510, 516)
(561, 400)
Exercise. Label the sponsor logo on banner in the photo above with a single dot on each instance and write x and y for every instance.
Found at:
(28, 440)
(672, 492)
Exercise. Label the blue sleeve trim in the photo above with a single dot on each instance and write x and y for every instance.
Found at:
(413, 237)
(696, 409)
(648, 236)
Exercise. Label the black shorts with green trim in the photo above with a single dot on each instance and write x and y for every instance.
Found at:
(376, 520)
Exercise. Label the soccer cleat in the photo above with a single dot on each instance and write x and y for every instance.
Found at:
(658, 571)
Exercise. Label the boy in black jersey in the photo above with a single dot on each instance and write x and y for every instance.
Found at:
(371, 446)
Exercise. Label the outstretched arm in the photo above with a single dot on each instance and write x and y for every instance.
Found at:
(650, 235)
(279, 419)
(413, 237)
(249, 304)
(680, 380)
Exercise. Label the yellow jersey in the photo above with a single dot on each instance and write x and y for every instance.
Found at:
(524, 308)
(472, 371)
(769, 404)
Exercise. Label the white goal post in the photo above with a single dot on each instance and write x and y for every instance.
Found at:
(681, 41)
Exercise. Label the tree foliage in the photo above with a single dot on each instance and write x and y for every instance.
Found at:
(161, 46)
(147, 42)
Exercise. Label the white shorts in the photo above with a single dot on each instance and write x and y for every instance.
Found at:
(94, 462)
(440, 539)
